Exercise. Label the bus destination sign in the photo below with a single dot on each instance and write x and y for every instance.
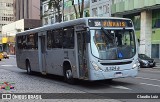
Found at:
(109, 23)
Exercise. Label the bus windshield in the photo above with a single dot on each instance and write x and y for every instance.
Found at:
(113, 44)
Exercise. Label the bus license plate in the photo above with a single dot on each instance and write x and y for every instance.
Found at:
(118, 74)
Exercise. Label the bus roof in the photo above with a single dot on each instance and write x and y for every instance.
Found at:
(66, 23)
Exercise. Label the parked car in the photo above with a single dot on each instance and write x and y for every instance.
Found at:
(146, 61)
(5, 55)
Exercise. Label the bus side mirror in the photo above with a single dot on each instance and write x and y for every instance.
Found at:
(88, 37)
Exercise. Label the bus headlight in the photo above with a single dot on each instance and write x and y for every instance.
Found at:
(95, 66)
(136, 65)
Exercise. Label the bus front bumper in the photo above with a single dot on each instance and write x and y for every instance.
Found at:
(101, 75)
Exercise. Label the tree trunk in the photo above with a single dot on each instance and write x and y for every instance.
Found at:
(75, 11)
(82, 9)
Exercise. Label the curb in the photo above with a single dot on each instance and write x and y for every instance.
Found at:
(157, 67)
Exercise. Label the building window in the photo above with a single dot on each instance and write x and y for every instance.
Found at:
(58, 18)
(52, 9)
(9, 5)
(52, 20)
(155, 51)
(100, 11)
(45, 21)
(45, 8)
(106, 9)
(94, 1)
(156, 18)
(94, 12)
(65, 18)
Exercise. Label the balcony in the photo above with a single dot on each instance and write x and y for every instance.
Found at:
(134, 6)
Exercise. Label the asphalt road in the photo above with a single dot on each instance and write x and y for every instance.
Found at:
(147, 81)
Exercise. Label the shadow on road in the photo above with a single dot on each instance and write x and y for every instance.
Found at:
(86, 84)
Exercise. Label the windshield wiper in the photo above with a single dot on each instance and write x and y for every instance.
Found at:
(109, 36)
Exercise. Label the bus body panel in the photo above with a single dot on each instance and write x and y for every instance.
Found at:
(31, 55)
(54, 61)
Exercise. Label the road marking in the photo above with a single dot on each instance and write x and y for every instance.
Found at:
(121, 87)
(147, 78)
(155, 70)
(150, 84)
(8, 65)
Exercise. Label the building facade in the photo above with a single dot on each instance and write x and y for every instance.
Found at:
(146, 17)
(49, 15)
(9, 31)
(6, 14)
(27, 15)
(67, 12)
(100, 8)
(26, 9)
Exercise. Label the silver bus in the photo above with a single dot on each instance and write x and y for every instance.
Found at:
(87, 48)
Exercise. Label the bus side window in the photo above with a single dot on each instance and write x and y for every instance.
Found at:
(19, 42)
(30, 41)
(49, 39)
(24, 42)
(36, 41)
(68, 38)
(57, 41)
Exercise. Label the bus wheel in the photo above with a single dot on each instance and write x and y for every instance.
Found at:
(68, 75)
(109, 80)
(29, 71)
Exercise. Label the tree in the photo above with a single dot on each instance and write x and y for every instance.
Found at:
(80, 7)
(56, 4)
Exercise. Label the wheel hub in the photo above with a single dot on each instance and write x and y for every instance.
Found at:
(68, 74)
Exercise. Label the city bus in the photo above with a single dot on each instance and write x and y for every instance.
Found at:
(89, 48)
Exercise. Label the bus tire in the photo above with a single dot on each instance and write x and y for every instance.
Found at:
(68, 76)
(28, 67)
(109, 80)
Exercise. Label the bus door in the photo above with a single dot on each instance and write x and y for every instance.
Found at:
(82, 54)
(42, 52)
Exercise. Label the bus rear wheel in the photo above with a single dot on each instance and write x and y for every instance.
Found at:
(29, 71)
(68, 75)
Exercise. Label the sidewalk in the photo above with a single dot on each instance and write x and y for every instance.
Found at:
(11, 55)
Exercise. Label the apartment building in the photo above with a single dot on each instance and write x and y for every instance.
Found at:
(100, 8)
(26, 9)
(6, 14)
(146, 17)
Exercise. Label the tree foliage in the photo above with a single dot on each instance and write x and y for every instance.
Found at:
(57, 4)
